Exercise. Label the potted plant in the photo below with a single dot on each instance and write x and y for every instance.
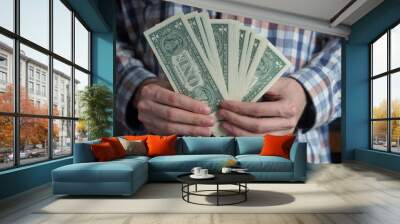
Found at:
(96, 103)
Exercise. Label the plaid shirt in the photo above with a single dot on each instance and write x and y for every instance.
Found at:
(316, 64)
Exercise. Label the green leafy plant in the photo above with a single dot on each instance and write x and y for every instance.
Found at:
(96, 102)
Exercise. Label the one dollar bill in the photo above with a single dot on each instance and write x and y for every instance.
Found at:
(186, 67)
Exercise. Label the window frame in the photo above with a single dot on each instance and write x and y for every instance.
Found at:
(388, 74)
(16, 115)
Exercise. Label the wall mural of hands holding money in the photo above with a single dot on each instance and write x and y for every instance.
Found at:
(218, 69)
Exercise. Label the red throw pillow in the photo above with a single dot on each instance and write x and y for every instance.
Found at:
(135, 137)
(103, 152)
(116, 145)
(277, 145)
(161, 145)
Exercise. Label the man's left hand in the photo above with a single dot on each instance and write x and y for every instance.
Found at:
(278, 115)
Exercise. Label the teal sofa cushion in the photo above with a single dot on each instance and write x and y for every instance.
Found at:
(207, 145)
(114, 171)
(131, 159)
(118, 177)
(249, 145)
(83, 152)
(185, 163)
(257, 163)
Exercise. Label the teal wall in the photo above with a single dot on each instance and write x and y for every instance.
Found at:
(356, 85)
(24, 178)
(99, 16)
(103, 50)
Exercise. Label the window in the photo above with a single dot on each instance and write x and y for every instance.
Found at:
(30, 72)
(385, 91)
(38, 74)
(7, 74)
(44, 91)
(7, 14)
(34, 22)
(62, 75)
(46, 74)
(81, 81)
(62, 30)
(3, 78)
(30, 87)
(81, 45)
(62, 137)
(3, 71)
(38, 89)
(3, 61)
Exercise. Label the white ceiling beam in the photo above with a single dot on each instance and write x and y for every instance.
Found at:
(271, 15)
(347, 12)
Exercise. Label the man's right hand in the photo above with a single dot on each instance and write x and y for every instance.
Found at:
(163, 111)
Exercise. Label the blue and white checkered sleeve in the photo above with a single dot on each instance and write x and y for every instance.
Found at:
(131, 74)
(321, 79)
(130, 69)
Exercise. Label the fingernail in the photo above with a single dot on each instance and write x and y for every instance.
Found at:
(208, 122)
(225, 126)
(207, 109)
(221, 113)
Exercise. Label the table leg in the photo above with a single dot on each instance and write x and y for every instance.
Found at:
(217, 194)
(182, 188)
(196, 187)
(188, 192)
(245, 193)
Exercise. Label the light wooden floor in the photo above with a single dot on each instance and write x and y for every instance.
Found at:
(351, 181)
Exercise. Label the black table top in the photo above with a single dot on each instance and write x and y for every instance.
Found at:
(220, 178)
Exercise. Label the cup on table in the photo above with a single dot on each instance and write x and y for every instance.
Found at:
(226, 170)
(203, 172)
(196, 171)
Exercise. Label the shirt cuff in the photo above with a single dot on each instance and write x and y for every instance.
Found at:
(125, 93)
(308, 118)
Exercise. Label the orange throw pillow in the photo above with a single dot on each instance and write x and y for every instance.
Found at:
(135, 137)
(116, 145)
(103, 152)
(277, 145)
(161, 145)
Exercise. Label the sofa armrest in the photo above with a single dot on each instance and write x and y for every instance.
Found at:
(298, 155)
(83, 152)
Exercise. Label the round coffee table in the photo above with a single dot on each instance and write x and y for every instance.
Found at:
(238, 179)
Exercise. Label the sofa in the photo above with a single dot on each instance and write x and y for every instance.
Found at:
(125, 176)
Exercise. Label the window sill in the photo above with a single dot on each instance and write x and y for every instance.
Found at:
(30, 166)
(382, 159)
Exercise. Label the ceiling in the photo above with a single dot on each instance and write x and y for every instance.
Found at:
(327, 16)
(321, 9)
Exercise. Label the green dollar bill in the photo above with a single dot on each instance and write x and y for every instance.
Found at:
(205, 21)
(243, 46)
(242, 35)
(271, 66)
(208, 36)
(253, 51)
(186, 67)
(249, 48)
(221, 36)
(193, 22)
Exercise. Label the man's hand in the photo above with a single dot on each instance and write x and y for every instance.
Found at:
(163, 111)
(278, 116)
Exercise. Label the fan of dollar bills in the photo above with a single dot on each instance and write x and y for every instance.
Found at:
(215, 59)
